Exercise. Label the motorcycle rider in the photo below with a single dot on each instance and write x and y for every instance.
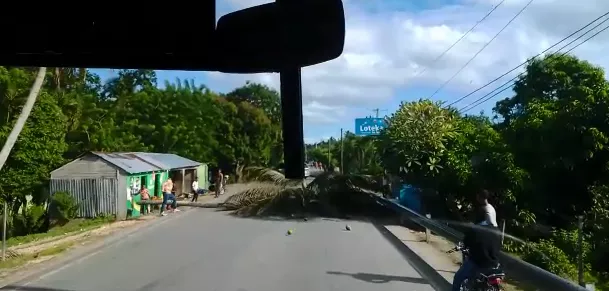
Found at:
(483, 242)
(490, 215)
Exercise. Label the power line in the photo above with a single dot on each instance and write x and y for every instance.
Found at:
(523, 63)
(461, 38)
(483, 47)
(510, 82)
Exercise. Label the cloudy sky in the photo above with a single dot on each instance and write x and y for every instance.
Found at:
(391, 46)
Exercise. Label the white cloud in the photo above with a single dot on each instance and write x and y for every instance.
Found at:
(386, 48)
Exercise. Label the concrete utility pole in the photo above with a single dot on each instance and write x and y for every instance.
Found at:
(341, 151)
(329, 154)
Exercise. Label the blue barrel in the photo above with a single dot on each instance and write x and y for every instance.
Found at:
(410, 197)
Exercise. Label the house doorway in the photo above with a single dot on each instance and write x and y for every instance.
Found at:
(157, 185)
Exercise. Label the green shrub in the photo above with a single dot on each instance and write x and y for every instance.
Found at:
(549, 257)
(32, 221)
(511, 246)
(63, 207)
(567, 240)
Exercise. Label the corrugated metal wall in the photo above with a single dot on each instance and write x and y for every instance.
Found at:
(95, 196)
(203, 176)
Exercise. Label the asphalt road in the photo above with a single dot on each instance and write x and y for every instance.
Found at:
(201, 249)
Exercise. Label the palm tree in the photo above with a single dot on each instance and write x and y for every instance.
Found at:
(63, 76)
(12, 139)
(25, 113)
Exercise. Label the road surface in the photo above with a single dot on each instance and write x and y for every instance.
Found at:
(202, 249)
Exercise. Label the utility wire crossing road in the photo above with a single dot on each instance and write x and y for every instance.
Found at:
(202, 249)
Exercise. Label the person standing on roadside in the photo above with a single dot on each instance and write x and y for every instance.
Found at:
(167, 195)
(195, 190)
(224, 181)
(219, 183)
(145, 195)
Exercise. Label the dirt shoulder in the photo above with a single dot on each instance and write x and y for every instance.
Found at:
(434, 253)
(25, 256)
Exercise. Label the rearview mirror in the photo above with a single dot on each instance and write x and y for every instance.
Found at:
(264, 38)
(285, 34)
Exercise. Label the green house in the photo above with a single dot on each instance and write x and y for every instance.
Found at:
(109, 183)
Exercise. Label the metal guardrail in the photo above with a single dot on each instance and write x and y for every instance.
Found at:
(517, 268)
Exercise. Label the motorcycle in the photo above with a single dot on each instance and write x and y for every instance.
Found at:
(485, 280)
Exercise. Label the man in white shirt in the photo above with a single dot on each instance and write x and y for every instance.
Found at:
(486, 209)
(485, 212)
(195, 190)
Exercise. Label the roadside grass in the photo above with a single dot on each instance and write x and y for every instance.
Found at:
(72, 227)
(24, 259)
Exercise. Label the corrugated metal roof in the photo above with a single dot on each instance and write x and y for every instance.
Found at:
(152, 161)
(171, 161)
(128, 162)
(136, 162)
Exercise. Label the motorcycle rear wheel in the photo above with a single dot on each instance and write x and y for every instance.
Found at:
(468, 286)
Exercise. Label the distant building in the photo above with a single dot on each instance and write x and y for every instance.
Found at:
(109, 183)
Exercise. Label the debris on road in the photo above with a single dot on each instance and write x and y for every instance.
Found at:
(348, 227)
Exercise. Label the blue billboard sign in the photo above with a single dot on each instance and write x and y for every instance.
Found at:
(369, 126)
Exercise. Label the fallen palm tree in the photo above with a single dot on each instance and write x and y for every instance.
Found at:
(268, 192)
(328, 194)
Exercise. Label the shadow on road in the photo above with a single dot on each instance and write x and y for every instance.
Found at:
(379, 278)
(29, 288)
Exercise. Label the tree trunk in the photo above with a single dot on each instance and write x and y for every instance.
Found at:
(183, 203)
(57, 78)
(82, 73)
(25, 113)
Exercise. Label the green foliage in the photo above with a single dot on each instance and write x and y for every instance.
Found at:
(416, 138)
(32, 220)
(360, 155)
(557, 126)
(41, 144)
(76, 112)
(567, 240)
(544, 159)
(63, 207)
(546, 255)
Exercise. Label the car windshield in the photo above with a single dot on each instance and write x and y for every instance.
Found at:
(439, 119)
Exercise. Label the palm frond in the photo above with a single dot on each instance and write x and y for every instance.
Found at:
(329, 193)
(261, 174)
(256, 192)
(261, 198)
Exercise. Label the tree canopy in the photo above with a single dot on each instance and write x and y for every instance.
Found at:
(544, 156)
(77, 112)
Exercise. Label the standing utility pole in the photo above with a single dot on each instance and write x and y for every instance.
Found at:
(329, 156)
(580, 252)
(341, 152)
